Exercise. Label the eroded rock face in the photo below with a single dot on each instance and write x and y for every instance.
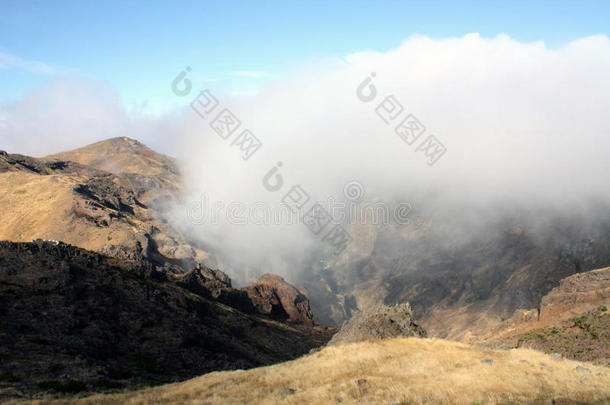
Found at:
(110, 192)
(123, 252)
(379, 322)
(273, 296)
(217, 285)
(577, 293)
(92, 212)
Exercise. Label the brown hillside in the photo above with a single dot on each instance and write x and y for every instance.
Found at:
(572, 320)
(112, 193)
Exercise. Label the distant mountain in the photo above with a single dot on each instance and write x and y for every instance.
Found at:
(462, 282)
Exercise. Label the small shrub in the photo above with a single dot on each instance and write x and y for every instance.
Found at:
(39, 340)
(144, 361)
(105, 383)
(8, 376)
(70, 386)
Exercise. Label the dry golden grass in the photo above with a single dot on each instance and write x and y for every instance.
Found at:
(397, 371)
(34, 206)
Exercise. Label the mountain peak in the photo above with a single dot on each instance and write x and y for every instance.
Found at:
(121, 155)
(120, 141)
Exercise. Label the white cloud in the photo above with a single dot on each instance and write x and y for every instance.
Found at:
(522, 123)
(515, 117)
(70, 113)
(8, 61)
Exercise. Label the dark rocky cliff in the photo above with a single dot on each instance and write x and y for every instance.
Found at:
(74, 320)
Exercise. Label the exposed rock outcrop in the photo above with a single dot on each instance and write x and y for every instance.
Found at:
(215, 284)
(576, 294)
(380, 322)
(273, 296)
(110, 192)
(14, 162)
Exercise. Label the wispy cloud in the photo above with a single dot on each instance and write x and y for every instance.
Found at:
(8, 61)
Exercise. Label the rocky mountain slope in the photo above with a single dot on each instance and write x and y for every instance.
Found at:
(143, 309)
(503, 280)
(572, 320)
(72, 320)
(462, 281)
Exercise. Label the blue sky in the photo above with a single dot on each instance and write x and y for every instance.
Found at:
(137, 47)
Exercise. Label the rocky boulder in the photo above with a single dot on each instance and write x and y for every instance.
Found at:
(273, 296)
(379, 322)
(216, 284)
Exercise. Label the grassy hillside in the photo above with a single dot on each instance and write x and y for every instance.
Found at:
(80, 204)
(396, 371)
(34, 206)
